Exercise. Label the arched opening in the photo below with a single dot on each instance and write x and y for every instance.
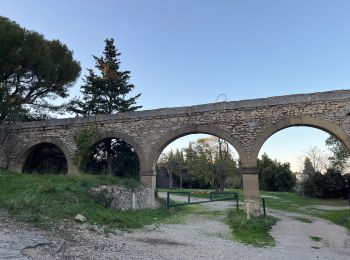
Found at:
(321, 124)
(111, 156)
(45, 158)
(199, 160)
(309, 159)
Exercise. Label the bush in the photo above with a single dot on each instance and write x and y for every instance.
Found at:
(331, 185)
(312, 185)
(275, 176)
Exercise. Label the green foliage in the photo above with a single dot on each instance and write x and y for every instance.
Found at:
(205, 163)
(46, 199)
(32, 70)
(254, 231)
(340, 157)
(317, 239)
(331, 184)
(122, 157)
(308, 169)
(274, 176)
(312, 185)
(84, 139)
(105, 93)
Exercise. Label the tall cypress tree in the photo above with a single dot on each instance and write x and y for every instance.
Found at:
(107, 93)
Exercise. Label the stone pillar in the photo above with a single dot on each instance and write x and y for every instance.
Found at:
(251, 190)
(148, 178)
(72, 168)
(15, 167)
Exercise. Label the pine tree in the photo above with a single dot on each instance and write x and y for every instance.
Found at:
(107, 93)
(33, 72)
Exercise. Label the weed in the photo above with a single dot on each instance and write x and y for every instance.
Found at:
(254, 231)
(317, 239)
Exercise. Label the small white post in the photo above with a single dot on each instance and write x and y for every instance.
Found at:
(248, 211)
(133, 200)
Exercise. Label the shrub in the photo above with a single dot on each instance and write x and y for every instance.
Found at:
(275, 176)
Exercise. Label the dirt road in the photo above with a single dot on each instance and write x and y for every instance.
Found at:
(203, 236)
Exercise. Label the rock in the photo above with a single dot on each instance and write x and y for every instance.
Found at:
(80, 218)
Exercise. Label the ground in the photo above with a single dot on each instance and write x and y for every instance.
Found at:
(201, 235)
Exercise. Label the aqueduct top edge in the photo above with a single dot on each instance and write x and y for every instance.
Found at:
(227, 105)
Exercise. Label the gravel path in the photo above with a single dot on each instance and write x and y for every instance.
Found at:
(200, 237)
(16, 237)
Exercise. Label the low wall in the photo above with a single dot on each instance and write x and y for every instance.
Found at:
(119, 197)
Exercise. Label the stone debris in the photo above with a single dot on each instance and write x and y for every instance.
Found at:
(80, 218)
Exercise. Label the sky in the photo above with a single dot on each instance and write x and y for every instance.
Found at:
(185, 52)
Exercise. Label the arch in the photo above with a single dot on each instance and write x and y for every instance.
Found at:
(325, 125)
(128, 139)
(198, 129)
(23, 155)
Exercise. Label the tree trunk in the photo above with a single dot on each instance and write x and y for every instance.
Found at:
(217, 188)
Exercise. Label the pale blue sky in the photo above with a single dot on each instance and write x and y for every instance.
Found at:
(187, 52)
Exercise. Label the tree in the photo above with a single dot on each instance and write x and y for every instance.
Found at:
(174, 165)
(205, 163)
(107, 93)
(340, 155)
(197, 167)
(275, 176)
(181, 169)
(318, 158)
(33, 71)
(307, 171)
(331, 184)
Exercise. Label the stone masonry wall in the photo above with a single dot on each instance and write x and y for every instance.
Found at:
(242, 122)
(118, 197)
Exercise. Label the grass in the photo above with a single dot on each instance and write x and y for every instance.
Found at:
(293, 202)
(46, 199)
(339, 217)
(254, 231)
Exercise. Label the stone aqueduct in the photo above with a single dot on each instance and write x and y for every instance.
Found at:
(244, 124)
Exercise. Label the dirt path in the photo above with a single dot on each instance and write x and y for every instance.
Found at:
(16, 237)
(199, 237)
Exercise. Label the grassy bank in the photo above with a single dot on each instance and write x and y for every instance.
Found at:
(45, 199)
(254, 231)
